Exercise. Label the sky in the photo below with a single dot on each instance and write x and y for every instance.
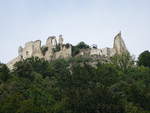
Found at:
(91, 21)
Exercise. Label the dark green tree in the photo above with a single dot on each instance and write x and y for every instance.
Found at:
(76, 49)
(75, 86)
(4, 73)
(124, 62)
(144, 59)
(23, 69)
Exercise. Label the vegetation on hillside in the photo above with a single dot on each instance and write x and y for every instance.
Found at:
(74, 86)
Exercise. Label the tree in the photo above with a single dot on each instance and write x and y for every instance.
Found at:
(34, 64)
(75, 86)
(144, 59)
(83, 45)
(23, 69)
(107, 74)
(4, 72)
(123, 62)
(76, 49)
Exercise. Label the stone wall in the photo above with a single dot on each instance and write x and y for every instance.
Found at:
(31, 49)
(65, 52)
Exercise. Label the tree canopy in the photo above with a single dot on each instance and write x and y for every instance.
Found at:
(75, 86)
(144, 59)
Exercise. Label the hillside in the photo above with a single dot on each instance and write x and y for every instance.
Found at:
(75, 86)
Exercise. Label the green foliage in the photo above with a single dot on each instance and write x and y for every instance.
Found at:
(76, 49)
(44, 49)
(74, 86)
(23, 69)
(4, 73)
(57, 48)
(123, 62)
(26, 67)
(82, 45)
(107, 74)
(143, 59)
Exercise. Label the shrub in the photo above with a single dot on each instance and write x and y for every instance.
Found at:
(44, 49)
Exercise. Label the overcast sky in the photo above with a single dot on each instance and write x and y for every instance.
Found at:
(91, 21)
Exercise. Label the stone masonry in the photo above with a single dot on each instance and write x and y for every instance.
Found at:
(57, 49)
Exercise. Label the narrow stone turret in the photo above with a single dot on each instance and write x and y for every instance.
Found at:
(60, 40)
(20, 51)
(119, 44)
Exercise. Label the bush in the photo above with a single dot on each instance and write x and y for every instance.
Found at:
(44, 49)
(57, 48)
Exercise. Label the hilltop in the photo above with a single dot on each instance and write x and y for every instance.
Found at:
(54, 49)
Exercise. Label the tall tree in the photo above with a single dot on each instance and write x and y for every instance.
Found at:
(144, 59)
(4, 72)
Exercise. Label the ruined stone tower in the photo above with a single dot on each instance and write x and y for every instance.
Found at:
(119, 44)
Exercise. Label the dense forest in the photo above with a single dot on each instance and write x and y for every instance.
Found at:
(75, 86)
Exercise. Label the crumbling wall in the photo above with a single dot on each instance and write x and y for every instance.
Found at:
(37, 49)
(65, 52)
(10, 64)
(27, 50)
(96, 52)
(31, 49)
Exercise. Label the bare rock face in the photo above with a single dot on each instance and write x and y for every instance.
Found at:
(119, 44)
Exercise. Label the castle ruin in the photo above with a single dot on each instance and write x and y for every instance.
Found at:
(57, 49)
